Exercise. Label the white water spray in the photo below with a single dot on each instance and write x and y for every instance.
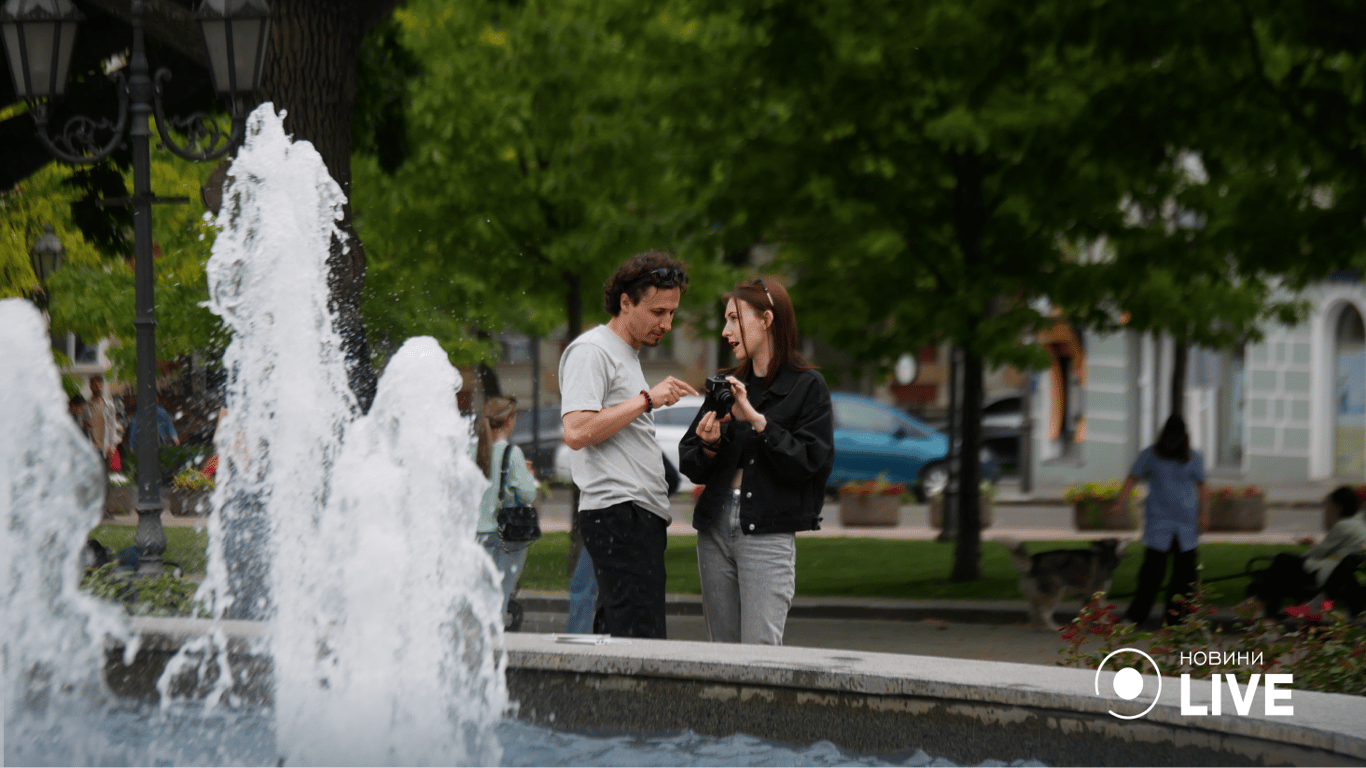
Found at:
(51, 495)
(352, 538)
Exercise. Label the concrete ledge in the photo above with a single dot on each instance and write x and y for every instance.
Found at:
(872, 703)
(884, 703)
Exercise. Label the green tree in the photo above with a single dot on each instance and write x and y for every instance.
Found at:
(92, 294)
(915, 152)
(538, 162)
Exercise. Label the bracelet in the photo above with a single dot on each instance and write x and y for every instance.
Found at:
(649, 404)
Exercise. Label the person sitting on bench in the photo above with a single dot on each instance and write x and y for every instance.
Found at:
(1328, 568)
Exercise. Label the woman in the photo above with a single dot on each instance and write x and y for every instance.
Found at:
(495, 427)
(764, 465)
(1176, 512)
(1328, 568)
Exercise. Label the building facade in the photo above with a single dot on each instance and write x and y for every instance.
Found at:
(1290, 407)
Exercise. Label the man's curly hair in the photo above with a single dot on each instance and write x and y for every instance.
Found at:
(635, 277)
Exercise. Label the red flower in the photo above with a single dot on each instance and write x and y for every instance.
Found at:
(1302, 612)
(1327, 606)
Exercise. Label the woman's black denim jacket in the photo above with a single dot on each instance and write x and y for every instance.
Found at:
(786, 466)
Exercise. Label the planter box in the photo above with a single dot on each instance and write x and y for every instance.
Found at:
(1100, 516)
(869, 509)
(936, 512)
(189, 503)
(121, 500)
(1245, 514)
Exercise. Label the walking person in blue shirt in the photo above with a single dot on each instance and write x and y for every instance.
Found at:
(166, 433)
(1176, 513)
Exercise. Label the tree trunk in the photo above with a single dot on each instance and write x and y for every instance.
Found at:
(573, 305)
(310, 73)
(967, 561)
(969, 220)
(1180, 351)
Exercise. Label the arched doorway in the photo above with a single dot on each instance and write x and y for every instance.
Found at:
(1349, 396)
(1067, 382)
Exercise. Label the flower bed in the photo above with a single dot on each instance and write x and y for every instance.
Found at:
(121, 497)
(190, 490)
(871, 503)
(1094, 507)
(1234, 508)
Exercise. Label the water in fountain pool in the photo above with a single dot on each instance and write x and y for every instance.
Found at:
(351, 536)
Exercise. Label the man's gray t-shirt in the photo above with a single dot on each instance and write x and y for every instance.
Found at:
(597, 371)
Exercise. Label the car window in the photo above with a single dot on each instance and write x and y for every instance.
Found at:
(862, 417)
(911, 429)
(680, 416)
(550, 423)
(1002, 406)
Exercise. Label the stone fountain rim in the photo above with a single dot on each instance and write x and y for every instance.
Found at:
(1333, 720)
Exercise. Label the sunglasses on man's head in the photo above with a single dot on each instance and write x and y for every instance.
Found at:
(667, 277)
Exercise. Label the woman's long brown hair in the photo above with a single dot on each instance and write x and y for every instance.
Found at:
(497, 411)
(783, 329)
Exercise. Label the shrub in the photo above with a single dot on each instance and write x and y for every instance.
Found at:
(1327, 657)
(1107, 490)
(1232, 492)
(191, 479)
(879, 487)
(165, 595)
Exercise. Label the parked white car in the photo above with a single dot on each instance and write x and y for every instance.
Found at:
(671, 423)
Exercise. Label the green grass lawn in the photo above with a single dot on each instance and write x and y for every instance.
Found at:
(825, 567)
(901, 569)
(186, 547)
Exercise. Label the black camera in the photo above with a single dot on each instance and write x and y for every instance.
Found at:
(719, 397)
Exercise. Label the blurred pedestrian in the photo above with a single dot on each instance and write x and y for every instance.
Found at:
(166, 433)
(764, 462)
(1175, 514)
(1327, 568)
(606, 409)
(105, 432)
(495, 427)
(76, 406)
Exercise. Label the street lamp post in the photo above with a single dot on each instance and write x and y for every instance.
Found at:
(46, 258)
(39, 38)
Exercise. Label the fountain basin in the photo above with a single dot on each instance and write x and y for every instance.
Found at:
(871, 703)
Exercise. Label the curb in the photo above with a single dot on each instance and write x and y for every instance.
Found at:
(834, 608)
(1058, 502)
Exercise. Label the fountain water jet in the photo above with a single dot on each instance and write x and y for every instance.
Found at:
(351, 539)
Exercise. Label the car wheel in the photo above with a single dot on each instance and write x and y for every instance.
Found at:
(934, 478)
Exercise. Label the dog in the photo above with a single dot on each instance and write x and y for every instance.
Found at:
(1047, 577)
(94, 555)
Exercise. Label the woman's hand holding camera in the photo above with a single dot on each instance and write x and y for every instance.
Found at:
(742, 409)
(709, 431)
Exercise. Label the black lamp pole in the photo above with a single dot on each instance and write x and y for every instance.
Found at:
(235, 34)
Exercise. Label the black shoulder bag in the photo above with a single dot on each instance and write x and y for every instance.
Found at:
(517, 526)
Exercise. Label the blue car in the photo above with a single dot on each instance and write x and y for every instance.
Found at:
(873, 440)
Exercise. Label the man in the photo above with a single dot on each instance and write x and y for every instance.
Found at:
(165, 427)
(104, 422)
(606, 410)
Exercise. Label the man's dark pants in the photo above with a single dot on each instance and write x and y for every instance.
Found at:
(1150, 579)
(626, 542)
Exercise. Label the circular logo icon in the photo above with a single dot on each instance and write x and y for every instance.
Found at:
(1127, 682)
